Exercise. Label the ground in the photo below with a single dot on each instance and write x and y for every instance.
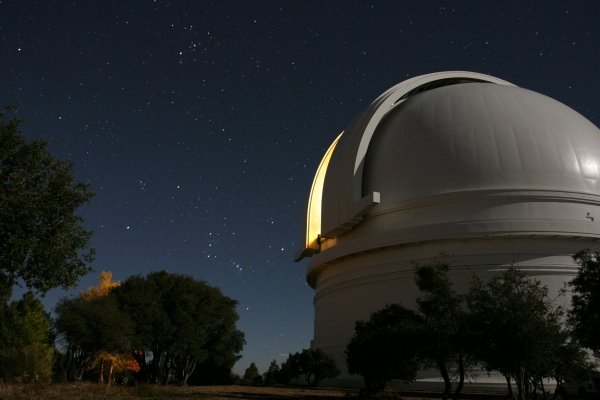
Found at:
(93, 391)
(90, 391)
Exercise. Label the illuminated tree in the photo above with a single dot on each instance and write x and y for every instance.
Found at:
(169, 324)
(104, 287)
(114, 362)
(97, 332)
(89, 328)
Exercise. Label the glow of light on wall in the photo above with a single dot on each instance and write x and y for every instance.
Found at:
(590, 168)
(313, 215)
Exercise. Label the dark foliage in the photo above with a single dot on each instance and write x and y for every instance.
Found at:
(252, 376)
(86, 327)
(584, 315)
(518, 330)
(386, 347)
(42, 241)
(313, 364)
(212, 372)
(272, 375)
(179, 323)
(507, 324)
(26, 351)
(447, 333)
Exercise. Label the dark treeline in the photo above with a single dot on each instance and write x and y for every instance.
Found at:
(163, 328)
(309, 365)
(167, 328)
(43, 245)
(507, 324)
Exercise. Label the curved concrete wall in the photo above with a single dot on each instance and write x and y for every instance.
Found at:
(351, 288)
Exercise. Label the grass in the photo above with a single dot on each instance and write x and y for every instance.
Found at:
(92, 391)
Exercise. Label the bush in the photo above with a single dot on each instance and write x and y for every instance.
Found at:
(314, 364)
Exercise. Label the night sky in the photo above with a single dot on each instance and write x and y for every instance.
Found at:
(199, 125)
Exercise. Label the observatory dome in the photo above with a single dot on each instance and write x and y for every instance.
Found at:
(455, 165)
(480, 137)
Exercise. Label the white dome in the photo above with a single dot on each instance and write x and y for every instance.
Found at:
(452, 154)
(481, 136)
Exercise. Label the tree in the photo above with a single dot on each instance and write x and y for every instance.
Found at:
(105, 285)
(571, 363)
(179, 323)
(314, 364)
(271, 377)
(516, 329)
(386, 347)
(89, 328)
(509, 324)
(445, 316)
(115, 362)
(286, 373)
(26, 351)
(584, 316)
(252, 376)
(42, 241)
(95, 332)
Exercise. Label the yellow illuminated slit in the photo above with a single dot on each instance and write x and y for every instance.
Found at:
(313, 215)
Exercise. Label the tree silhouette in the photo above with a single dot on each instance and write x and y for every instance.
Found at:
(42, 241)
(26, 351)
(387, 346)
(584, 315)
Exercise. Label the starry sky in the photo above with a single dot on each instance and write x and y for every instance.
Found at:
(199, 125)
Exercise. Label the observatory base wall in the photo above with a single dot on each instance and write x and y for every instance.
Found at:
(352, 288)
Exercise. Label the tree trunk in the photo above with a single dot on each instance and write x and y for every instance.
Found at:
(158, 366)
(68, 364)
(188, 370)
(101, 377)
(447, 384)
(110, 372)
(521, 383)
(168, 367)
(461, 377)
(543, 388)
(511, 394)
(557, 388)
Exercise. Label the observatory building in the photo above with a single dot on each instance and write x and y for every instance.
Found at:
(458, 167)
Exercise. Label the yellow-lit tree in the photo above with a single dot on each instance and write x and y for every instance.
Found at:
(104, 287)
(115, 362)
